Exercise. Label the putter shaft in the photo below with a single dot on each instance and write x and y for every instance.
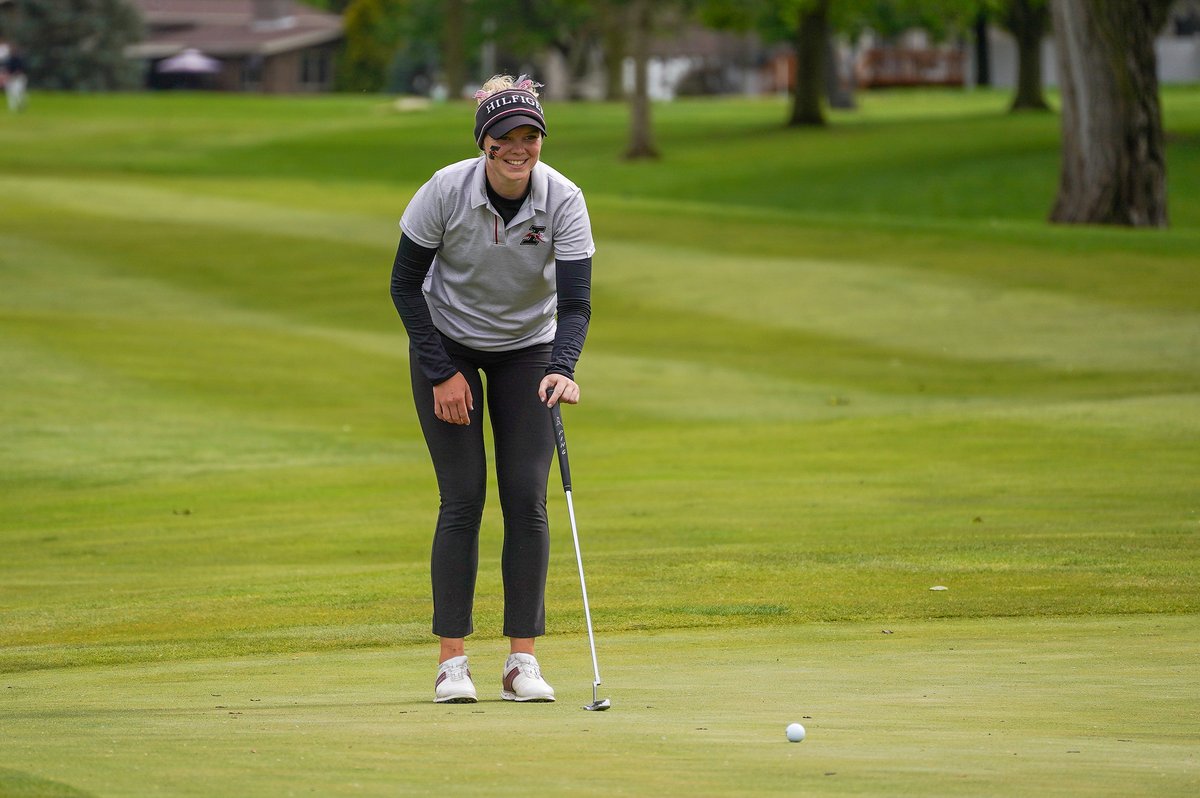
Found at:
(587, 610)
(560, 441)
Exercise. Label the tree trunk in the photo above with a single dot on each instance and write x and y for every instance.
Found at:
(579, 60)
(565, 85)
(1028, 21)
(615, 29)
(641, 134)
(1113, 156)
(840, 95)
(810, 55)
(983, 57)
(454, 37)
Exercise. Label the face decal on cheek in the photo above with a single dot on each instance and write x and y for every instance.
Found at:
(511, 158)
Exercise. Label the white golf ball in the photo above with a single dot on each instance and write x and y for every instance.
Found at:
(795, 732)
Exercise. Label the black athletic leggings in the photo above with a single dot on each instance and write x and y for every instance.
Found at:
(524, 447)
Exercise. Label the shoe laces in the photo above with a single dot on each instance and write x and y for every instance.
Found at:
(458, 672)
(530, 669)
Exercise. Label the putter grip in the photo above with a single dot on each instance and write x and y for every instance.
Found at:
(560, 443)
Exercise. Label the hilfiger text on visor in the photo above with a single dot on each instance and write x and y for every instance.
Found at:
(500, 102)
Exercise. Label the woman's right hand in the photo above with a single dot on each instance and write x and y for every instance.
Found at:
(452, 401)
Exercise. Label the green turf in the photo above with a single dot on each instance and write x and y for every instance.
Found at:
(827, 371)
(994, 707)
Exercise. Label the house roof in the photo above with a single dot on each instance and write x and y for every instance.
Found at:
(231, 28)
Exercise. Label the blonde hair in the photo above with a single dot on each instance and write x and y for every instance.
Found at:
(501, 82)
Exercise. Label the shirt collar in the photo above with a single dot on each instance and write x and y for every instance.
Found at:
(539, 186)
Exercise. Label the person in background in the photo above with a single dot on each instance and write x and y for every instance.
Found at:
(15, 80)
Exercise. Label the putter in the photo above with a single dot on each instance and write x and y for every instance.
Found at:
(560, 443)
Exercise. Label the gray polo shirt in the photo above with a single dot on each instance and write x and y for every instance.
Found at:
(492, 286)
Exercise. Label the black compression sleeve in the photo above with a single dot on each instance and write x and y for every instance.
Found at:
(408, 273)
(574, 283)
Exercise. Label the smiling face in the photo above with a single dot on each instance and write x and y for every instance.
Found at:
(515, 153)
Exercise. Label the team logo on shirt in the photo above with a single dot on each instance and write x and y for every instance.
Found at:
(534, 236)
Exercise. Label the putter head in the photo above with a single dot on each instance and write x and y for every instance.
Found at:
(598, 706)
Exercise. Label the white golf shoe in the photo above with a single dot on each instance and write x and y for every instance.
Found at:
(454, 685)
(523, 680)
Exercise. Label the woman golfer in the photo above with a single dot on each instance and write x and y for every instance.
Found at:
(492, 280)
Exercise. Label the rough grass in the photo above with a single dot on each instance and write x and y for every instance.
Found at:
(827, 370)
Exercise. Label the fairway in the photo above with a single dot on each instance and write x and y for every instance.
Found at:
(827, 371)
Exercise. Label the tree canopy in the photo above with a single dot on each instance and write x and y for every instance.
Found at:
(78, 44)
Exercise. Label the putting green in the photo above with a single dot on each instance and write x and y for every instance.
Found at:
(1063, 706)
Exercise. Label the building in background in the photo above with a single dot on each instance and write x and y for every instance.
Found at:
(1177, 50)
(271, 46)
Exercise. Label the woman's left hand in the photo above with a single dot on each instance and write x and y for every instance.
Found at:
(564, 389)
